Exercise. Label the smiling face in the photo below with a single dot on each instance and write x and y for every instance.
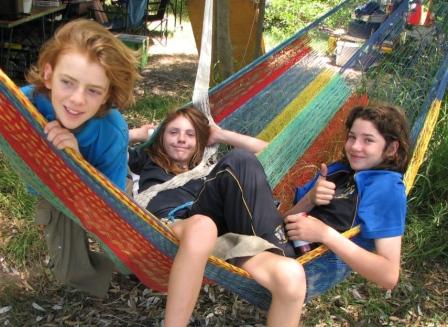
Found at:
(366, 147)
(179, 141)
(79, 87)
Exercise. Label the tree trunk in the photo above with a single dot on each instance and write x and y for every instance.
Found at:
(223, 50)
(259, 35)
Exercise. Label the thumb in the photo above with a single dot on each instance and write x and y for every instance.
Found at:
(323, 171)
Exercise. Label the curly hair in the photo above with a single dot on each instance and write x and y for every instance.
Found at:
(100, 46)
(392, 124)
(201, 126)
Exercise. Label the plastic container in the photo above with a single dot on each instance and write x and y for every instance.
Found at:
(301, 247)
(25, 6)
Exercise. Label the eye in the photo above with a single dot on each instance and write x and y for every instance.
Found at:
(66, 82)
(370, 141)
(95, 91)
(351, 137)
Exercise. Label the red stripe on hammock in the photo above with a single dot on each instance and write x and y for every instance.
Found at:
(150, 265)
(226, 100)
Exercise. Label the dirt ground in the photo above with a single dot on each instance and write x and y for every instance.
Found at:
(171, 67)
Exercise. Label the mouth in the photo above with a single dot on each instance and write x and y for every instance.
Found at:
(356, 158)
(181, 148)
(72, 112)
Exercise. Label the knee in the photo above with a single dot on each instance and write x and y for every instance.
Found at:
(288, 280)
(242, 160)
(241, 155)
(199, 234)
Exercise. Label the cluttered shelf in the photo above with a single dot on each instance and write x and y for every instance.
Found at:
(23, 29)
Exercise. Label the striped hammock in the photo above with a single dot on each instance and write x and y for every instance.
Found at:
(289, 96)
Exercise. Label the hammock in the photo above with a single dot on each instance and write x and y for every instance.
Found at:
(287, 96)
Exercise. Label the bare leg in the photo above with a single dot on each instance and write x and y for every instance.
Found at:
(197, 236)
(285, 279)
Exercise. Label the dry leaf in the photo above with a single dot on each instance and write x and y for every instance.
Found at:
(37, 307)
(5, 309)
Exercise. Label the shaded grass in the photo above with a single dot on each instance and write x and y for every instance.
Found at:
(14, 199)
(20, 238)
(153, 108)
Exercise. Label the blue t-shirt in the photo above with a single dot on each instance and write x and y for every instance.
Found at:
(102, 141)
(381, 201)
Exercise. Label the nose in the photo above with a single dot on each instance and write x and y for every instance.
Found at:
(181, 137)
(78, 96)
(356, 145)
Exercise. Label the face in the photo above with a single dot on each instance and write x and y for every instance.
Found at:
(179, 141)
(366, 147)
(78, 87)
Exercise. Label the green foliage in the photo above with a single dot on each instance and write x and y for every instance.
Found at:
(285, 17)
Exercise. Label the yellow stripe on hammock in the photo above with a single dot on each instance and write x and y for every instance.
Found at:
(295, 106)
(421, 145)
(322, 249)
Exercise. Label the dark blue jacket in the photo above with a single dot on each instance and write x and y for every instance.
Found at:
(381, 208)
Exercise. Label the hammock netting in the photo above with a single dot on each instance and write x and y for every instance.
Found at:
(291, 97)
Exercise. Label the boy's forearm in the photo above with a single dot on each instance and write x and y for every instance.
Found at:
(242, 141)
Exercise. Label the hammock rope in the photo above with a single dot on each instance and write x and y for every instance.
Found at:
(201, 102)
(136, 239)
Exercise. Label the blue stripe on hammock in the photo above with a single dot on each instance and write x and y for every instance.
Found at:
(296, 137)
(249, 119)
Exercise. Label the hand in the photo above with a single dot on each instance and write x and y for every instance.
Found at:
(215, 135)
(60, 137)
(142, 133)
(306, 228)
(323, 191)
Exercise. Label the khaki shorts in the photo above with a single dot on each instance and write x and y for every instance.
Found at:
(71, 260)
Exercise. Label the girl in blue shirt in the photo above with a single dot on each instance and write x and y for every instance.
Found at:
(368, 191)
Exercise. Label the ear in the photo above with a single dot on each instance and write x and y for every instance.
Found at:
(391, 149)
(48, 73)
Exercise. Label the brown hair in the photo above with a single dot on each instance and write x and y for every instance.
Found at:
(392, 124)
(102, 47)
(201, 126)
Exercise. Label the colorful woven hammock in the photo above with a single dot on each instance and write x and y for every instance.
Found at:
(287, 97)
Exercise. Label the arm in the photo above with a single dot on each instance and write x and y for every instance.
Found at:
(142, 133)
(381, 267)
(237, 140)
